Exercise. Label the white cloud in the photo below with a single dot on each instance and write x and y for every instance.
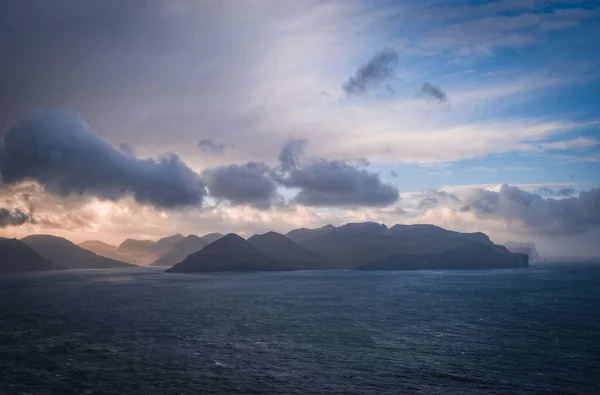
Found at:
(577, 143)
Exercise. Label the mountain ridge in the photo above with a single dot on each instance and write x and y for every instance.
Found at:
(229, 253)
(65, 253)
(18, 257)
(291, 255)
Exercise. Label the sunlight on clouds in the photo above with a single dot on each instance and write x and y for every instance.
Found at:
(252, 75)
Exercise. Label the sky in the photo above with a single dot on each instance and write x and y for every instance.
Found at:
(147, 118)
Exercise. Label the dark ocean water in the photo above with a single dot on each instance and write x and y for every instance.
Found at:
(139, 331)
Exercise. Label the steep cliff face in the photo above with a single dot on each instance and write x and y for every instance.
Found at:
(17, 257)
(523, 248)
(230, 253)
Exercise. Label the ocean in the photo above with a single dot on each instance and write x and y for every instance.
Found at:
(140, 331)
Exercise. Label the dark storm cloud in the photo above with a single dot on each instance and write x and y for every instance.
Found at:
(330, 183)
(565, 216)
(291, 152)
(15, 217)
(249, 183)
(210, 147)
(61, 152)
(373, 74)
(430, 91)
(127, 149)
(337, 183)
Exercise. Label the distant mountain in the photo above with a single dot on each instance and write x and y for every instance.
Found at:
(130, 251)
(229, 253)
(341, 243)
(188, 245)
(139, 252)
(304, 236)
(137, 246)
(523, 248)
(98, 247)
(63, 253)
(369, 243)
(16, 257)
(474, 256)
(289, 255)
(212, 237)
(164, 245)
(366, 246)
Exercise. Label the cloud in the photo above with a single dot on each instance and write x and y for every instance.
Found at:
(430, 91)
(337, 183)
(249, 183)
(373, 74)
(577, 143)
(529, 212)
(565, 18)
(579, 158)
(15, 217)
(331, 183)
(489, 27)
(209, 146)
(61, 152)
(432, 198)
(127, 149)
(558, 192)
(291, 152)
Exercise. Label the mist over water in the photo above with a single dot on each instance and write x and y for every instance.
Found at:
(139, 331)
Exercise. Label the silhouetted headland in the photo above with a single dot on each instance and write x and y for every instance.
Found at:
(363, 246)
(16, 257)
(229, 253)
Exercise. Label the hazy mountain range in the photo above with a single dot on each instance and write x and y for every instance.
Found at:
(364, 246)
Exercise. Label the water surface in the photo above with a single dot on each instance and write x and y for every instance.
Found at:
(139, 331)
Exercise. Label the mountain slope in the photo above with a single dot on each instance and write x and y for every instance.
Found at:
(346, 243)
(129, 253)
(164, 245)
(98, 247)
(16, 257)
(212, 237)
(133, 245)
(229, 253)
(474, 256)
(304, 236)
(139, 252)
(63, 253)
(180, 251)
(362, 243)
(290, 255)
